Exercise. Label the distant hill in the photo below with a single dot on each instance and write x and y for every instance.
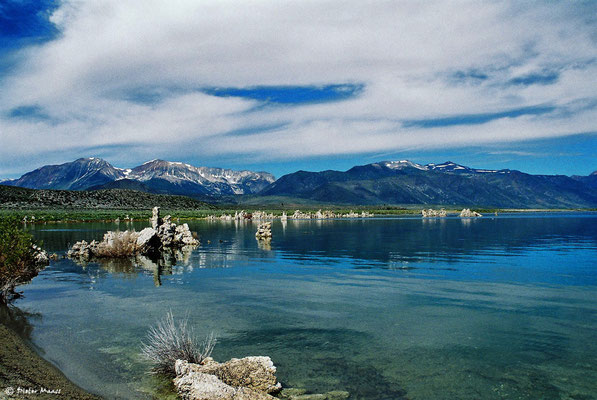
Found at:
(405, 182)
(22, 198)
(156, 176)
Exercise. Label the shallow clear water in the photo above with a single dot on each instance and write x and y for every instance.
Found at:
(491, 308)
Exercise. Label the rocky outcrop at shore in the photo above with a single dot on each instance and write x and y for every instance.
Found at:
(163, 235)
(238, 379)
(467, 213)
(249, 378)
(430, 213)
(40, 257)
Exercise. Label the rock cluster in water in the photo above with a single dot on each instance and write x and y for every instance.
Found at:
(238, 379)
(328, 214)
(430, 213)
(467, 213)
(40, 257)
(298, 214)
(264, 231)
(163, 234)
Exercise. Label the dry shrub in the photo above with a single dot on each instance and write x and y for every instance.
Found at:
(169, 341)
(118, 244)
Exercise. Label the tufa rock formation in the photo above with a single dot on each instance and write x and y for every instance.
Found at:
(40, 257)
(163, 235)
(238, 379)
(467, 213)
(430, 213)
(264, 231)
(298, 214)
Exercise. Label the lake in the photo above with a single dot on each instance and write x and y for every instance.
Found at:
(388, 308)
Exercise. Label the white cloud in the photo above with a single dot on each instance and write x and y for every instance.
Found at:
(406, 53)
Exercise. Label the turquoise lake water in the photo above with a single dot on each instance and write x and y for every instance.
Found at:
(399, 308)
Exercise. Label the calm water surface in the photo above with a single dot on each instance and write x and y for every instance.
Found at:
(493, 308)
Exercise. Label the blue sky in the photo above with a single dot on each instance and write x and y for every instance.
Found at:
(282, 86)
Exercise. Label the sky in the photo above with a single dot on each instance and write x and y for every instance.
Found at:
(286, 85)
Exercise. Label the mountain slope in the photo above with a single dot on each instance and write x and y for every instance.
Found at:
(77, 175)
(404, 182)
(179, 178)
(18, 198)
(156, 176)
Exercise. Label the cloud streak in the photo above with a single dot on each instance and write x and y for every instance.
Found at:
(194, 80)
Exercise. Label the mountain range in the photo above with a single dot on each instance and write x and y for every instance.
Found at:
(405, 182)
(156, 176)
(386, 182)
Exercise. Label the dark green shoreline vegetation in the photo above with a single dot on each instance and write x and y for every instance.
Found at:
(20, 258)
(20, 366)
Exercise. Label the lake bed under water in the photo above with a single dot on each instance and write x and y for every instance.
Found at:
(384, 308)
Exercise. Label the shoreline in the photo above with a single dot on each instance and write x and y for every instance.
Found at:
(44, 216)
(28, 375)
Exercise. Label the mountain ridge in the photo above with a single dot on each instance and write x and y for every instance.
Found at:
(383, 182)
(156, 176)
(405, 182)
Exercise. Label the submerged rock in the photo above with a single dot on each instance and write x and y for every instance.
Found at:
(289, 393)
(301, 394)
(309, 397)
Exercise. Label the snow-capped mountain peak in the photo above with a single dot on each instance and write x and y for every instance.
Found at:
(403, 164)
(213, 180)
(160, 176)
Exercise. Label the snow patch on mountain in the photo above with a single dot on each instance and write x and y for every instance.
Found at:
(403, 164)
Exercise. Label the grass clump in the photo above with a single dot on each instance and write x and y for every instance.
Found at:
(17, 257)
(117, 244)
(169, 341)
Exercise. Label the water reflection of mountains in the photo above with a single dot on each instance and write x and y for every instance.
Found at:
(398, 242)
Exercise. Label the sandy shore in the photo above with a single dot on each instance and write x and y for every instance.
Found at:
(25, 375)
